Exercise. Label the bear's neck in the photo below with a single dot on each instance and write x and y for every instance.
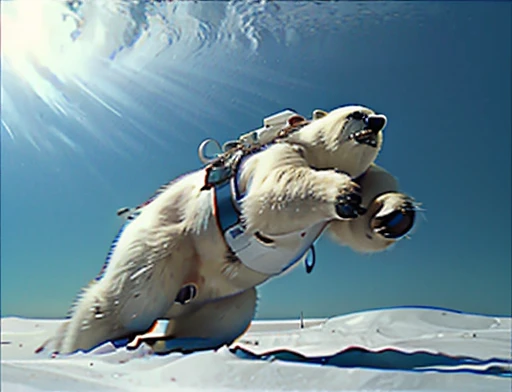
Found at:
(350, 158)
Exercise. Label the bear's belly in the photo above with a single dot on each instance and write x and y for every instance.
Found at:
(216, 281)
(214, 273)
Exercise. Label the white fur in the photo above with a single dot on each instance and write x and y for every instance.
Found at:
(175, 241)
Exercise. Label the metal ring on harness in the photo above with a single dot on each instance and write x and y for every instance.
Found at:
(201, 152)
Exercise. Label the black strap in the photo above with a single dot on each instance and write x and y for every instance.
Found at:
(310, 265)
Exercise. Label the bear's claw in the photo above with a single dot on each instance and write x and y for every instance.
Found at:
(348, 206)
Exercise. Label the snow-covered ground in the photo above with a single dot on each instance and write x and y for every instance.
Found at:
(391, 349)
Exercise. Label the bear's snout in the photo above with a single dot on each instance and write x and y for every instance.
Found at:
(376, 122)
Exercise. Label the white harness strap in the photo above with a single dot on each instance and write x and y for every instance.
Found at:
(271, 255)
(267, 255)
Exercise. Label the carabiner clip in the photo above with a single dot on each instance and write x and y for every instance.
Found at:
(310, 260)
(206, 157)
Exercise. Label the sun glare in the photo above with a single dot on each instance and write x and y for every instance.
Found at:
(37, 38)
(43, 55)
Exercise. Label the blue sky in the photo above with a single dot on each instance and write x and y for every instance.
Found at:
(439, 71)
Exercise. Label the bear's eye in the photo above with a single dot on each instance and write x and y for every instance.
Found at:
(358, 116)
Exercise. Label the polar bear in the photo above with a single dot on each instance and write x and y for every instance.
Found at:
(195, 252)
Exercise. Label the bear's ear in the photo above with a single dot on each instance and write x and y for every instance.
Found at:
(319, 114)
(295, 119)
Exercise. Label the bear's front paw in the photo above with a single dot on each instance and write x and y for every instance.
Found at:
(348, 204)
(396, 216)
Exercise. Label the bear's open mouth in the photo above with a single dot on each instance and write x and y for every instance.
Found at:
(372, 124)
(365, 136)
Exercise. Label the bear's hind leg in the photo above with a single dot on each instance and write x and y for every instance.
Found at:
(210, 326)
(93, 321)
(123, 304)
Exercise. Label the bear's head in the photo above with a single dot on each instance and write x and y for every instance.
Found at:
(347, 139)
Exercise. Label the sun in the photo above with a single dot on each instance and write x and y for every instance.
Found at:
(37, 38)
(42, 51)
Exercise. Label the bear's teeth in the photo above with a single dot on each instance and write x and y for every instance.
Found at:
(361, 134)
(365, 136)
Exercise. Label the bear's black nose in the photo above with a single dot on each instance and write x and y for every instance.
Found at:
(376, 122)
